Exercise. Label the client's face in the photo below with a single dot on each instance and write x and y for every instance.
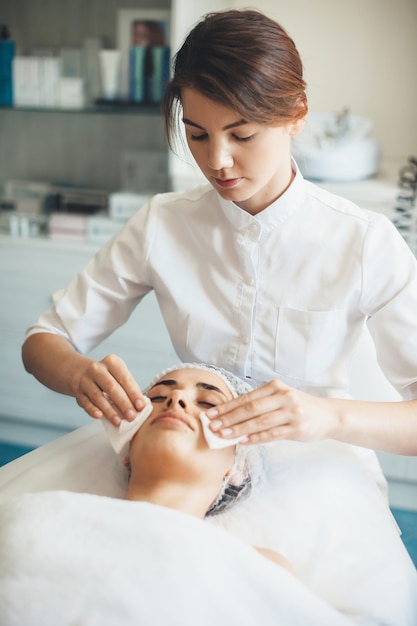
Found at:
(173, 430)
(187, 392)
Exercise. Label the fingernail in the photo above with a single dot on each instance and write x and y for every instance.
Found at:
(216, 425)
(130, 415)
(139, 404)
(212, 412)
(227, 431)
(116, 421)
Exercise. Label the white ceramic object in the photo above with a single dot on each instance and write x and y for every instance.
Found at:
(337, 147)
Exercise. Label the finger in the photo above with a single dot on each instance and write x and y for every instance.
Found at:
(268, 421)
(102, 385)
(255, 404)
(100, 406)
(278, 433)
(114, 403)
(286, 423)
(123, 390)
(96, 393)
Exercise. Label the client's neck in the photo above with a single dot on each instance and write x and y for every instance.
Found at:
(191, 499)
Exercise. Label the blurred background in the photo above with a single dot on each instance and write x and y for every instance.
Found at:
(357, 55)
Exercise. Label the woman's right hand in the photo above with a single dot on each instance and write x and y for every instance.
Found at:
(103, 388)
(107, 389)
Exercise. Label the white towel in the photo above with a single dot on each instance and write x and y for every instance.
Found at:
(69, 558)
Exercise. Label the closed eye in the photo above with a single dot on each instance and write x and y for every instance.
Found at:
(243, 139)
(158, 399)
(204, 136)
(163, 399)
(199, 137)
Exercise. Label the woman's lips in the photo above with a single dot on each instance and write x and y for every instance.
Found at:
(227, 182)
(173, 418)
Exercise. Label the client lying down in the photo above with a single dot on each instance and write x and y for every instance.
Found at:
(151, 557)
(174, 458)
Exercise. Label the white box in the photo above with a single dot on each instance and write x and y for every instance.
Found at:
(50, 71)
(26, 81)
(71, 93)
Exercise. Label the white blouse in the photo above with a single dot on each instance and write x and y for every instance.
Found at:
(283, 294)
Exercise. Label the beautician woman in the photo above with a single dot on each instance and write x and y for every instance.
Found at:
(257, 271)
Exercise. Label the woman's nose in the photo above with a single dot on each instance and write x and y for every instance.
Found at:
(176, 399)
(219, 156)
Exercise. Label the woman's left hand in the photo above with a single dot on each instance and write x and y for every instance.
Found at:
(272, 412)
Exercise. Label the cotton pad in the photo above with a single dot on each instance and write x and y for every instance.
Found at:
(121, 436)
(213, 440)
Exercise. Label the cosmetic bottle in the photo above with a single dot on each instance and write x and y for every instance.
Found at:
(7, 52)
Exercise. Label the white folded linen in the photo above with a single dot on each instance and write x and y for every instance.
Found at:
(82, 559)
(324, 512)
(318, 505)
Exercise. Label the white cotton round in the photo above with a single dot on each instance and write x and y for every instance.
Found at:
(213, 440)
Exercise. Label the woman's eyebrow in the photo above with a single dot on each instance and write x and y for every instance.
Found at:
(169, 382)
(210, 388)
(227, 127)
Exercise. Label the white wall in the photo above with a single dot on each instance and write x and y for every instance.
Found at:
(357, 53)
(361, 54)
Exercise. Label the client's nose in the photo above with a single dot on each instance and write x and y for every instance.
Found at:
(176, 398)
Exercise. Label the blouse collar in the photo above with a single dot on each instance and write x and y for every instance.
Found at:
(273, 215)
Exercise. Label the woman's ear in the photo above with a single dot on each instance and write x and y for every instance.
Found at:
(296, 127)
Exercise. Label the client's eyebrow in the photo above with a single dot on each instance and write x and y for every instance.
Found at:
(167, 382)
(210, 388)
(170, 382)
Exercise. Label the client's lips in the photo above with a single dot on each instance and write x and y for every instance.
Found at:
(227, 182)
(169, 416)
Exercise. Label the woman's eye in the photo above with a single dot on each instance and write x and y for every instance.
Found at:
(158, 398)
(199, 137)
(208, 404)
(243, 139)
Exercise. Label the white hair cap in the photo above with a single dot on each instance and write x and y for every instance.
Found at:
(236, 385)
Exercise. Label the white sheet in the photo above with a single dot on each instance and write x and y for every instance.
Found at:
(81, 559)
(319, 507)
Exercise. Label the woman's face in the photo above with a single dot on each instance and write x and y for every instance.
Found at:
(247, 163)
(174, 426)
